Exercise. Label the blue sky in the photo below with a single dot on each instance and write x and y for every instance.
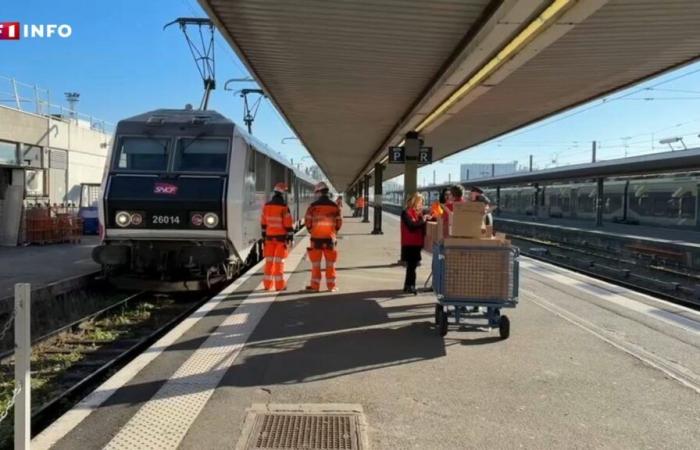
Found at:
(123, 63)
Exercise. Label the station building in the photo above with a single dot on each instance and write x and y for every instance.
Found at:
(48, 155)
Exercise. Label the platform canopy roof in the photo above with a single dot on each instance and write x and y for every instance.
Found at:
(351, 77)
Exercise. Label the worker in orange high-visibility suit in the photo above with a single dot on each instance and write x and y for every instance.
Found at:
(323, 220)
(278, 232)
(359, 206)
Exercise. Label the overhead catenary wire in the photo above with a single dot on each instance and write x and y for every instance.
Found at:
(600, 102)
(204, 59)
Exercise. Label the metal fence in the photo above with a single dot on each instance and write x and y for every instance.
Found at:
(33, 99)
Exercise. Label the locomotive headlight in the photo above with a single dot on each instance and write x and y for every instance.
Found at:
(211, 220)
(123, 219)
(136, 219)
(197, 220)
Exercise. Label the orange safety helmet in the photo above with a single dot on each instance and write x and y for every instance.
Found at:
(280, 187)
(321, 186)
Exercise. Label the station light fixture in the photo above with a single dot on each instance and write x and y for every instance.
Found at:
(535, 27)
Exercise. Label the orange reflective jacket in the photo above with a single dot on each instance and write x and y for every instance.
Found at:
(323, 219)
(276, 220)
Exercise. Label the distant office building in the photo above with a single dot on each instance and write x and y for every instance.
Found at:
(473, 171)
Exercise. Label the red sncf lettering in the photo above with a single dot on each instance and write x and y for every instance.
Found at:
(165, 188)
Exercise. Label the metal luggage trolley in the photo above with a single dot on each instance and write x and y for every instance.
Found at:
(467, 278)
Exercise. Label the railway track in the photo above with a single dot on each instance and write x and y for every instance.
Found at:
(70, 361)
(674, 286)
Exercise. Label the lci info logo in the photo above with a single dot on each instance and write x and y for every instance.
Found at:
(13, 31)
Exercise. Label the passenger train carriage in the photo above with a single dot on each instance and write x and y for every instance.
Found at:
(182, 195)
(665, 201)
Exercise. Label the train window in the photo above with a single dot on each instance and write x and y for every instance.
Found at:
(277, 172)
(687, 206)
(201, 155)
(290, 182)
(142, 153)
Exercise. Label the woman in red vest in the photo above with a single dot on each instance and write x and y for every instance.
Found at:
(412, 235)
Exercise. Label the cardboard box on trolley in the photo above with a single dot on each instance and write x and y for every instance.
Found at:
(430, 236)
(476, 266)
(467, 220)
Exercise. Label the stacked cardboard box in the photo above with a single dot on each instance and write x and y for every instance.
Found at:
(467, 220)
(430, 236)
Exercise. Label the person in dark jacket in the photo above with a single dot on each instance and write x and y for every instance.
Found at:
(412, 235)
(477, 195)
(456, 195)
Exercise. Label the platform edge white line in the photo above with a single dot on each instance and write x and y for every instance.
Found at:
(253, 310)
(612, 287)
(72, 418)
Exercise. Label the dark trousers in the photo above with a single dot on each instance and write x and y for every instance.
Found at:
(412, 257)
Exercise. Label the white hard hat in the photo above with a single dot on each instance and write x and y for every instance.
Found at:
(321, 186)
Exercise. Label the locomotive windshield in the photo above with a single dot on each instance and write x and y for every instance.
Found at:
(201, 155)
(142, 154)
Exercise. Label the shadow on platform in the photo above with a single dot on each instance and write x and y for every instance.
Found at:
(312, 338)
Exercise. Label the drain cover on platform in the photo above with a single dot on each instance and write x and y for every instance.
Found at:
(306, 427)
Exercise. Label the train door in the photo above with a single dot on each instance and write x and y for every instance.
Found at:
(250, 214)
(293, 196)
(573, 201)
(697, 206)
(261, 178)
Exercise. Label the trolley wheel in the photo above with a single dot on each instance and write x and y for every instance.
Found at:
(504, 327)
(441, 317)
(438, 310)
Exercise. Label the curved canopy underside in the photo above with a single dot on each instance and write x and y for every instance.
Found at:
(352, 77)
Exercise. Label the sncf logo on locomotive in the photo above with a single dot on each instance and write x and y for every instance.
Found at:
(165, 188)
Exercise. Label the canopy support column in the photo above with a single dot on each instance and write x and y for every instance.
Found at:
(365, 218)
(378, 200)
(410, 178)
(498, 200)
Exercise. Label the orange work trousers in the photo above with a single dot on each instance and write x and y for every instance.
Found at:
(315, 256)
(275, 252)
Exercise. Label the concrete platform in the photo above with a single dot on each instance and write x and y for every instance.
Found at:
(588, 365)
(44, 264)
